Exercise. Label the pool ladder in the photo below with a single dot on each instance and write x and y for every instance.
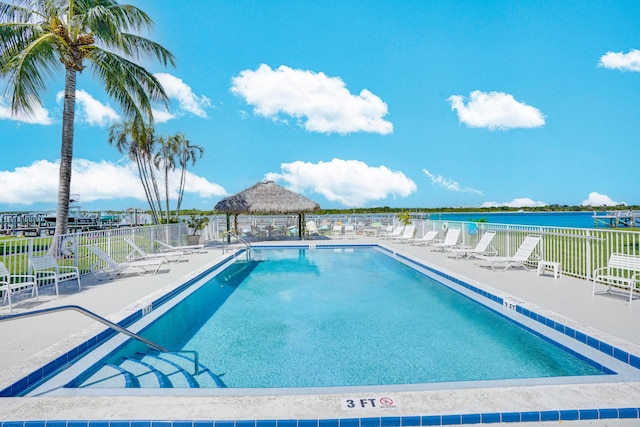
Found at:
(226, 238)
(106, 322)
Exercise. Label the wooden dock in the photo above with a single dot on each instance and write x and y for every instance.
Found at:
(617, 218)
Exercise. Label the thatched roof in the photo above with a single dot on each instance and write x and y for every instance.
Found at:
(266, 198)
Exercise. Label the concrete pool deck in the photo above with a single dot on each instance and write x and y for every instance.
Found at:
(32, 342)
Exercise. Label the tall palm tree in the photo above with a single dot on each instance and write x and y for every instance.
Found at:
(138, 142)
(186, 153)
(38, 37)
(165, 158)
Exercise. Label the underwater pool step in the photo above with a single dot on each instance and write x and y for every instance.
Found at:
(177, 377)
(111, 376)
(205, 378)
(147, 375)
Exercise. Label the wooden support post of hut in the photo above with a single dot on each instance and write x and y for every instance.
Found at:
(267, 198)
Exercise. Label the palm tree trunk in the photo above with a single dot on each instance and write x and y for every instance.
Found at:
(147, 190)
(66, 152)
(183, 173)
(166, 189)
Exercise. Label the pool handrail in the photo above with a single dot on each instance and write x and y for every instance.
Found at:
(226, 240)
(105, 322)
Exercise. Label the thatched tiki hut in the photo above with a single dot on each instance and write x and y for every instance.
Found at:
(267, 198)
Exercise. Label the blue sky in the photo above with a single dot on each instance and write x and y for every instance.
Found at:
(363, 104)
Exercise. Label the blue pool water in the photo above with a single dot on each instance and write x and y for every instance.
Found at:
(347, 317)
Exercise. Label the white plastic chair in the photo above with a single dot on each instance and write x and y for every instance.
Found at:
(46, 268)
(10, 283)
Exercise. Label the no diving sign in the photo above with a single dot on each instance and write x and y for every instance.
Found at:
(383, 402)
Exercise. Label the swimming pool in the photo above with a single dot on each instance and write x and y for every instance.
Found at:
(394, 312)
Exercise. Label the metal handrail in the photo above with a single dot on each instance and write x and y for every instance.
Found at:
(102, 320)
(238, 238)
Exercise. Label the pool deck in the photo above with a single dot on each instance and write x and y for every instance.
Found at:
(32, 342)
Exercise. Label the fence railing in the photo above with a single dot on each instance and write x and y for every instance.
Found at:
(73, 249)
(579, 251)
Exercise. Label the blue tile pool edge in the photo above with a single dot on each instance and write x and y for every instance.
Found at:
(385, 421)
(23, 384)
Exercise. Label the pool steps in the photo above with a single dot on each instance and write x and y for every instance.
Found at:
(153, 370)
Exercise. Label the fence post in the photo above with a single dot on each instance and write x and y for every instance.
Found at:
(588, 255)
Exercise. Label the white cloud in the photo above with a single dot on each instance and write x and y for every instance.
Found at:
(621, 61)
(597, 199)
(319, 103)
(495, 110)
(39, 116)
(350, 182)
(188, 101)
(160, 116)
(450, 184)
(90, 110)
(523, 202)
(88, 180)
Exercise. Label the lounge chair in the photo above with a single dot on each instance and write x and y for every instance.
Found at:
(428, 238)
(137, 253)
(482, 248)
(46, 268)
(407, 235)
(397, 232)
(336, 230)
(450, 240)
(9, 283)
(187, 249)
(386, 232)
(108, 266)
(519, 258)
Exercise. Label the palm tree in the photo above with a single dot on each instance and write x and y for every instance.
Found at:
(186, 152)
(138, 142)
(37, 37)
(165, 157)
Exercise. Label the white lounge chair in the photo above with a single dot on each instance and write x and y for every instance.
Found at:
(519, 258)
(336, 230)
(482, 248)
(386, 232)
(10, 283)
(137, 253)
(450, 240)
(46, 268)
(187, 249)
(407, 235)
(108, 266)
(428, 238)
(397, 232)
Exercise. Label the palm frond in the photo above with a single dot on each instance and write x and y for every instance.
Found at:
(17, 11)
(27, 69)
(132, 86)
(139, 47)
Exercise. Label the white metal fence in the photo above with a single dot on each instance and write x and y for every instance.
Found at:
(73, 249)
(579, 250)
